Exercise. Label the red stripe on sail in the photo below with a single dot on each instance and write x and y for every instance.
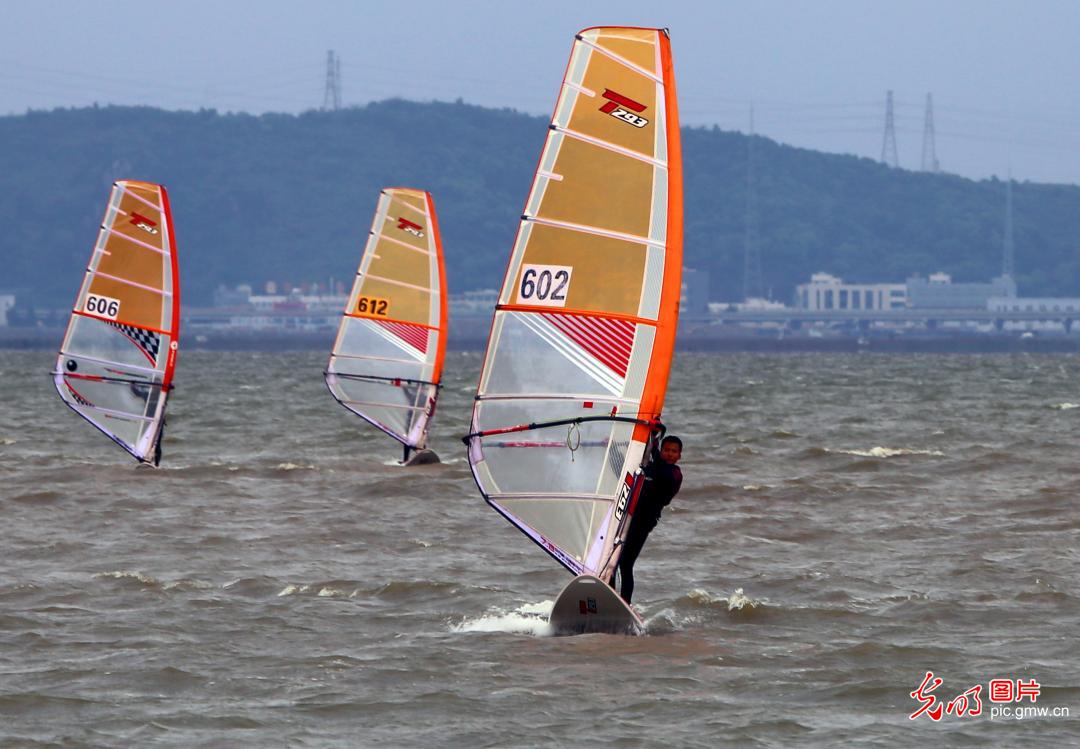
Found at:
(414, 335)
(607, 339)
(621, 346)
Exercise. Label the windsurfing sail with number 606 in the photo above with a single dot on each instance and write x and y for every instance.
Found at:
(115, 366)
(582, 338)
(387, 360)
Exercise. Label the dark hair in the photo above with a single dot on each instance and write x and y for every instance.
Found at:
(671, 438)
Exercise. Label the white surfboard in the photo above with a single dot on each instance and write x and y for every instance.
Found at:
(589, 605)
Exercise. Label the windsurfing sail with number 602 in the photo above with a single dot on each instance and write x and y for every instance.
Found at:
(387, 360)
(581, 342)
(115, 366)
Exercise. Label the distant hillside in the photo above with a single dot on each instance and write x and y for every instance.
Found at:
(290, 197)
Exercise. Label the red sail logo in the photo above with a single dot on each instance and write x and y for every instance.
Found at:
(415, 229)
(623, 107)
(144, 223)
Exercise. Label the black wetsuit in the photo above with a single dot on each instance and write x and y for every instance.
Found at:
(662, 482)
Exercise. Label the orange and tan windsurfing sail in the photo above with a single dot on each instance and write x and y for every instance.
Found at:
(582, 338)
(115, 366)
(387, 359)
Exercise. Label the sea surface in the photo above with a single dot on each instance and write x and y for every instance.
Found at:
(847, 524)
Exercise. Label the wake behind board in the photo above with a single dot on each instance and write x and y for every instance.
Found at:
(588, 605)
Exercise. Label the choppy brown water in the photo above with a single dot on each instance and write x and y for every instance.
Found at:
(847, 523)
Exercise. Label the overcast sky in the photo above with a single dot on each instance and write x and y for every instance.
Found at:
(1004, 74)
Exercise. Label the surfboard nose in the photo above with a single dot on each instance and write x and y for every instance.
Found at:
(588, 605)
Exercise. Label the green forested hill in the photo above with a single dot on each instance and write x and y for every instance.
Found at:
(290, 197)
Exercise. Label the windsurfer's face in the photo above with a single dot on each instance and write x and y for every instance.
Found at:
(670, 452)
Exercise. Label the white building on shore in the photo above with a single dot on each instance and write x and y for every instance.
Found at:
(239, 309)
(1052, 305)
(827, 292)
(7, 301)
(939, 292)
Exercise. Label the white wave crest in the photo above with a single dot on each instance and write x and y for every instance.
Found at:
(738, 601)
(292, 467)
(226, 466)
(7, 441)
(129, 575)
(323, 591)
(328, 592)
(527, 619)
(700, 595)
(887, 452)
(540, 608)
(291, 590)
(735, 602)
(188, 585)
(1065, 406)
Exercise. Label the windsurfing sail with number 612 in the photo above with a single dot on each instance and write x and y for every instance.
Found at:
(581, 342)
(387, 359)
(115, 366)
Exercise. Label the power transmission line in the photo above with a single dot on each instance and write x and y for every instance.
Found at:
(332, 92)
(752, 277)
(929, 152)
(888, 144)
(1008, 259)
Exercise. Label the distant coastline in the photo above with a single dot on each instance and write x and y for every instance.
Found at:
(849, 217)
(693, 340)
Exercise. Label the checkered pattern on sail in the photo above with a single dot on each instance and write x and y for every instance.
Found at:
(147, 340)
(78, 398)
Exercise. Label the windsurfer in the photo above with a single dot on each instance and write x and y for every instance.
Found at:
(157, 443)
(663, 478)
